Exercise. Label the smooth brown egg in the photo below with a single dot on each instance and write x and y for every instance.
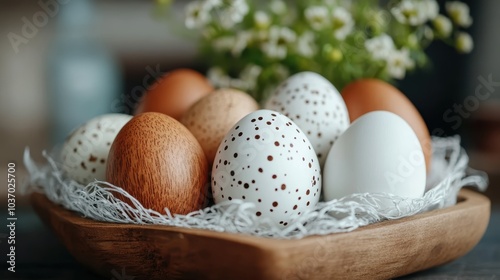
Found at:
(174, 93)
(160, 163)
(214, 115)
(367, 95)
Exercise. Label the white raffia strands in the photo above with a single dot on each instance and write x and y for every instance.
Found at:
(96, 201)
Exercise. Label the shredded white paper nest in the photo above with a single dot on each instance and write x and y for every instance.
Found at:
(96, 201)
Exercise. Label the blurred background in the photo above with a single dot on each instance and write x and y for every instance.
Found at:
(79, 59)
(62, 64)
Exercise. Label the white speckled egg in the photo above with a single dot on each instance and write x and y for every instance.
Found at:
(266, 159)
(378, 153)
(85, 151)
(315, 105)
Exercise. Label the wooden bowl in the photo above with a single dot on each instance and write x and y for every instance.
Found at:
(378, 251)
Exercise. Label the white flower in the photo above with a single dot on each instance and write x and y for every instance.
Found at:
(442, 25)
(211, 4)
(459, 13)
(380, 47)
(196, 15)
(278, 7)
(218, 78)
(317, 17)
(342, 23)
(240, 8)
(233, 14)
(430, 8)
(261, 19)
(464, 43)
(242, 40)
(249, 76)
(409, 12)
(398, 62)
(305, 44)
(276, 45)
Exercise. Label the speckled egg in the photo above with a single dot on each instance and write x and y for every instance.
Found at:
(315, 105)
(267, 159)
(85, 151)
(211, 117)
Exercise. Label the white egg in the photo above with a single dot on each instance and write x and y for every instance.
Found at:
(266, 159)
(378, 153)
(315, 105)
(85, 151)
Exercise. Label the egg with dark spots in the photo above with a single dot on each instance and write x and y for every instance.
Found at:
(85, 151)
(316, 106)
(274, 167)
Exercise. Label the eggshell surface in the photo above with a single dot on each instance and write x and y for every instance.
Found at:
(369, 95)
(211, 117)
(85, 151)
(315, 105)
(378, 153)
(159, 162)
(266, 159)
(174, 93)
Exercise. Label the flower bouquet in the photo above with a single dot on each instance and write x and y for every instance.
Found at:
(253, 45)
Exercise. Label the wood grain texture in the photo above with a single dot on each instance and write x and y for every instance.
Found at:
(160, 163)
(379, 251)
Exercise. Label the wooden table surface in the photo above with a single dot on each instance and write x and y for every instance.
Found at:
(39, 255)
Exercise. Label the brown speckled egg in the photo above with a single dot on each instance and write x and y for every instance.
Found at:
(213, 115)
(367, 95)
(174, 93)
(160, 163)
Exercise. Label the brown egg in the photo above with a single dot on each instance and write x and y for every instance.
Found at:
(174, 93)
(368, 95)
(214, 115)
(160, 163)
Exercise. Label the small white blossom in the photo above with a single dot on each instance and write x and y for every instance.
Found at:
(261, 19)
(398, 62)
(249, 76)
(409, 12)
(218, 77)
(196, 15)
(431, 8)
(233, 14)
(342, 23)
(442, 25)
(211, 4)
(305, 44)
(240, 8)
(459, 13)
(241, 42)
(317, 17)
(276, 45)
(278, 7)
(464, 42)
(380, 47)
